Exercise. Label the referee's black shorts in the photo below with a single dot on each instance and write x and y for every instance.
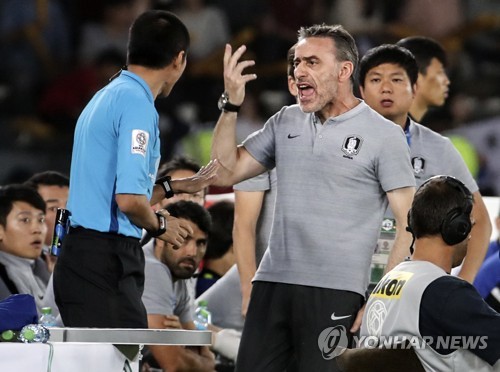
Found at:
(99, 280)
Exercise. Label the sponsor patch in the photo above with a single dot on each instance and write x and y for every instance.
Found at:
(140, 139)
(391, 285)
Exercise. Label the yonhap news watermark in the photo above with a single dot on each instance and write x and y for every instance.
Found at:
(415, 342)
(333, 341)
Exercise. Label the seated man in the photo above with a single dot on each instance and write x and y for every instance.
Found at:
(219, 257)
(166, 296)
(444, 317)
(22, 233)
(53, 187)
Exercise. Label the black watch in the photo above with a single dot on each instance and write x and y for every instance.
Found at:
(167, 187)
(162, 226)
(225, 105)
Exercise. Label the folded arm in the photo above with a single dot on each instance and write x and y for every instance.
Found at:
(179, 358)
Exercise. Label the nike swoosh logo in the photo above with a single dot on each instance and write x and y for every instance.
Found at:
(295, 136)
(339, 317)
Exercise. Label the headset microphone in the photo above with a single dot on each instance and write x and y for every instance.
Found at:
(408, 228)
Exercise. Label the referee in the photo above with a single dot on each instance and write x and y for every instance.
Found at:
(99, 276)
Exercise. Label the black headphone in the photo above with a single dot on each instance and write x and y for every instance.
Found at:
(457, 225)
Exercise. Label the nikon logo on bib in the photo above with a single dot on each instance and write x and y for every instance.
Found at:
(392, 285)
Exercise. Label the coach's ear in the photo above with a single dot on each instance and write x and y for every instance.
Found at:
(346, 71)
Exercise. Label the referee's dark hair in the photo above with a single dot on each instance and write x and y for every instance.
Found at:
(156, 38)
(17, 192)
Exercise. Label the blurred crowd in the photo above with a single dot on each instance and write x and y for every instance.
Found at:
(57, 53)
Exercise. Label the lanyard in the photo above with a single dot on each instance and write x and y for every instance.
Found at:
(407, 132)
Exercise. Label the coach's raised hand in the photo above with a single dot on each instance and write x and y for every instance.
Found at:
(234, 77)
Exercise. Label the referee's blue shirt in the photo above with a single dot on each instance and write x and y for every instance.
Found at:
(116, 150)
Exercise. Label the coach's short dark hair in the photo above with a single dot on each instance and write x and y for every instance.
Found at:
(345, 45)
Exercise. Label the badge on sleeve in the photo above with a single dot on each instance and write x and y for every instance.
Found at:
(140, 139)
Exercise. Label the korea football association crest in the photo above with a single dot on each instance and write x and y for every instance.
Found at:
(418, 165)
(352, 145)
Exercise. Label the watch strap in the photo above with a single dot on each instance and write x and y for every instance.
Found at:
(164, 182)
(229, 107)
(162, 226)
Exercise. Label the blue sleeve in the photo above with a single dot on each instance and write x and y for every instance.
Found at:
(493, 249)
(452, 307)
(488, 276)
(137, 135)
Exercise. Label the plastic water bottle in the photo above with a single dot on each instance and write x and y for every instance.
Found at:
(47, 319)
(34, 333)
(202, 317)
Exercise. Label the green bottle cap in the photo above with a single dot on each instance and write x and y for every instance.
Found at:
(29, 334)
(46, 310)
(203, 303)
(7, 335)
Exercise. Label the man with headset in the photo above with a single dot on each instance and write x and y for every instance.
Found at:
(444, 317)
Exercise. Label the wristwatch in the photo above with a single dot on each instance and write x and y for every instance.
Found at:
(225, 105)
(164, 182)
(162, 226)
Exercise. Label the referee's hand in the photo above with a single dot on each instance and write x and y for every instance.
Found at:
(177, 231)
